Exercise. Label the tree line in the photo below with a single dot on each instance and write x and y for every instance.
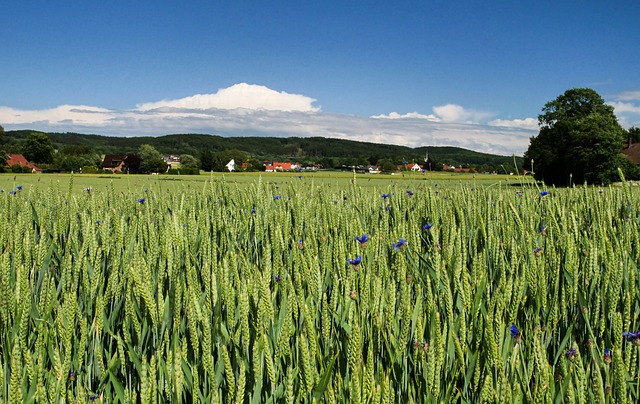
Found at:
(69, 151)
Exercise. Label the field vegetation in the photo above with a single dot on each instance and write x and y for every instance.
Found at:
(303, 288)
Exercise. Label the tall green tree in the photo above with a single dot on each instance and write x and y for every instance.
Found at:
(189, 161)
(580, 140)
(148, 152)
(38, 148)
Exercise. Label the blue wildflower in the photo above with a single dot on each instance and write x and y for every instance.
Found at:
(355, 262)
(277, 278)
(385, 196)
(276, 197)
(427, 226)
(572, 352)
(543, 230)
(19, 187)
(97, 222)
(88, 189)
(13, 192)
(253, 211)
(633, 337)
(607, 355)
(141, 200)
(401, 243)
(362, 240)
(515, 333)
(409, 192)
(544, 193)
(299, 176)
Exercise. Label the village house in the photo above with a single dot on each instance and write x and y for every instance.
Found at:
(281, 166)
(458, 169)
(122, 163)
(18, 159)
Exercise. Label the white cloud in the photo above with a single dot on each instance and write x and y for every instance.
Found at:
(212, 116)
(632, 95)
(623, 107)
(240, 95)
(410, 115)
(527, 123)
(443, 113)
(459, 114)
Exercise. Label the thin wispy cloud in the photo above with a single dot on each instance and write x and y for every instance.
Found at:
(251, 110)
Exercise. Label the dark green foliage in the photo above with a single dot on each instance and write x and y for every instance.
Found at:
(579, 140)
(220, 159)
(153, 165)
(38, 148)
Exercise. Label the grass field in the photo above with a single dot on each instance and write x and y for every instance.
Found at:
(325, 288)
(171, 183)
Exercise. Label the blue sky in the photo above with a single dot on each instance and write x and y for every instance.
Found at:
(467, 73)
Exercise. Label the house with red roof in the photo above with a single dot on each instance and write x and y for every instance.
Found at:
(281, 166)
(18, 159)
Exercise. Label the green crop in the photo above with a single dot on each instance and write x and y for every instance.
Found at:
(234, 294)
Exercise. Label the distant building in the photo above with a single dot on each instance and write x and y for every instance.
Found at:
(122, 163)
(632, 151)
(18, 159)
(281, 166)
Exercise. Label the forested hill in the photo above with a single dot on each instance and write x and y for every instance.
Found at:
(267, 148)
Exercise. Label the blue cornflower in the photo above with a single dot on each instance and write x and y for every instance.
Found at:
(544, 193)
(401, 243)
(385, 196)
(88, 189)
(362, 240)
(97, 222)
(299, 176)
(427, 226)
(572, 352)
(409, 192)
(13, 192)
(515, 333)
(19, 187)
(543, 230)
(253, 211)
(633, 337)
(170, 211)
(146, 190)
(277, 278)
(355, 262)
(607, 355)
(141, 200)
(276, 197)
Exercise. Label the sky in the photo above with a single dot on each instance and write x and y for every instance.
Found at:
(415, 73)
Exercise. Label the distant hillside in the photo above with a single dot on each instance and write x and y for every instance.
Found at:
(269, 148)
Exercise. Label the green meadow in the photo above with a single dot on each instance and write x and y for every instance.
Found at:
(328, 288)
(170, 183)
